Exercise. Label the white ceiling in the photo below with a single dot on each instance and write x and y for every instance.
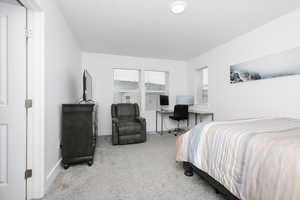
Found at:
(147, 28)
(10, 2)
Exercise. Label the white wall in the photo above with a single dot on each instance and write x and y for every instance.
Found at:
(62, 80)
(271, 97)
(100, 66)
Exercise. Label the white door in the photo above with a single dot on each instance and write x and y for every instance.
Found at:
(12, 97)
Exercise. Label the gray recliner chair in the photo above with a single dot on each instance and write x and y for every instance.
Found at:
(127, 125)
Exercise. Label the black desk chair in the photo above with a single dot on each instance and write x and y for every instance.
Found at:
(181, 112)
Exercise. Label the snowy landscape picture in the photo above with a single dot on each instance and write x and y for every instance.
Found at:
(286, 63)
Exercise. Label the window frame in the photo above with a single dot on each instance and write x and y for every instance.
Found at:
(142, 88)
(164, 92)
(202, 86)
(137, 91)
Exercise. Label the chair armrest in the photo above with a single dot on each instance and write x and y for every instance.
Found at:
(115, 131)
(142, 121)
(115, 121)
(143, 132)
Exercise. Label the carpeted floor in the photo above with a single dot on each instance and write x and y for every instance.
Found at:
(132, 172)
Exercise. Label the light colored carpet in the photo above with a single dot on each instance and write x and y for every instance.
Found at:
(145, 171)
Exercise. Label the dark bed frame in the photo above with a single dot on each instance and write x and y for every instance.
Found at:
(189, 169)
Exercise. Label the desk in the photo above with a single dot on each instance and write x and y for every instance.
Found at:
(162, 113)
(170, 112)
(201, 113)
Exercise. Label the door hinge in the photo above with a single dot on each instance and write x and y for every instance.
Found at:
(28, 33)
(28, 173)
(28, 103)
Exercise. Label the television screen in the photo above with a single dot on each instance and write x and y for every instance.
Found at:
(87, 86)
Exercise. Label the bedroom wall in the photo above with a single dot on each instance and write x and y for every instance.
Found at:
(62, 81)
(101, 67)
(269, 97)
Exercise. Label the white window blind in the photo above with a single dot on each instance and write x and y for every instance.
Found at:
(127, 86)
(156, 84)
(202, 85)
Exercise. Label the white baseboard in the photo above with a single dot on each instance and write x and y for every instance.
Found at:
(151, 132)
(53, 174)
(104, 133)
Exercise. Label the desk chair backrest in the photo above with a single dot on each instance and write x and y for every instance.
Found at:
(181, 112)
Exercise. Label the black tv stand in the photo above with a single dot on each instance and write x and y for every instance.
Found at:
(79, 134)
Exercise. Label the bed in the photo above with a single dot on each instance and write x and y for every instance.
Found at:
(254, 159)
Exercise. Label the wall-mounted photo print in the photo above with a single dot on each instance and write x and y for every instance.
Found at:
(286, 63)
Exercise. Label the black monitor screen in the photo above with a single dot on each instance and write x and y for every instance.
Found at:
(164, 100)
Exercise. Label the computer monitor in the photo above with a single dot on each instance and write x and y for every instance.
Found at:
(185, 100)
(164, 100)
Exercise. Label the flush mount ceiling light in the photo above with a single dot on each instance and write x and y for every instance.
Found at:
(178, 7)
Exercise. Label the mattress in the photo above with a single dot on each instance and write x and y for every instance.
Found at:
(255, 159)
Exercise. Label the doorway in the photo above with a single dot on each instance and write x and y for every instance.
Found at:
(13, 90)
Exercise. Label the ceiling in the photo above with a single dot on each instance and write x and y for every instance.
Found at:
(147, 28)
(10, 2)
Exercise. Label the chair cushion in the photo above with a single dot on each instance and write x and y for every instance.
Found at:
(126, 111)
(131, 139)
(129, 127)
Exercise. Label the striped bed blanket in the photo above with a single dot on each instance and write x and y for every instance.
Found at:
(257, 159)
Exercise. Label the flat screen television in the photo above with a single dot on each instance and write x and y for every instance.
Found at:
(87, 86)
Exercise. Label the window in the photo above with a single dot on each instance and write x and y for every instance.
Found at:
(156, 84)
(202, 85)
(128, 82)
(127, 86)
